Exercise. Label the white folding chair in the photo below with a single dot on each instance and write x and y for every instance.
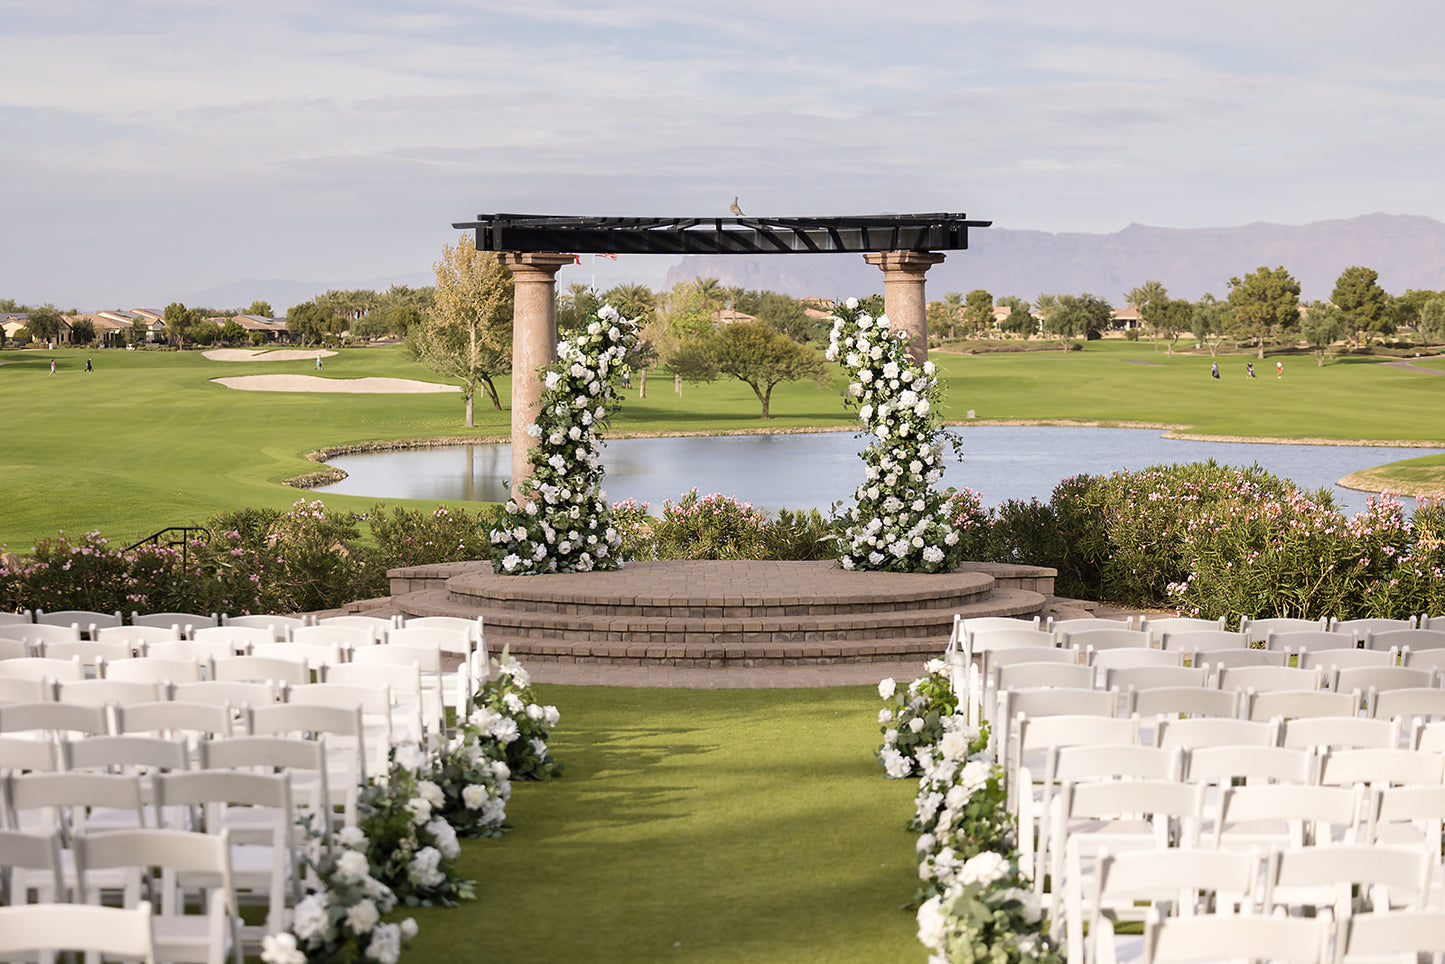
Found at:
(1292, 704)
(40, 667)
(1359, 627)
(476, 667)
(1425, 704)
(1259, 629)
(1036, 736)
(1288, 815)
(186, 862)
(345, 746)
(1298, 641)
(1202, 641)
(138, 637)
(374, 704)
(427, 659)
(49, 720)
(1328, 877)
(265, 857)
(1168, 882)
(45, 928)
(1201, 731)
(1158, 627)
(1100, 639)
(151, 669)
(260, 669)
(1216, 937)
(186, 622)
(87, 619)
(239, 640)
(408, 720)
(304, 760)
(351, 637)
(42, 871)
(1407, 816)
(1416, 639)
(974, 673)
(278, 626)
(1392, 935)
(1267, 679)
(1377, 767)
(1341, 732)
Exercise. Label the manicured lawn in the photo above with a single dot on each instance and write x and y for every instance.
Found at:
(147, 440)
(696, 825)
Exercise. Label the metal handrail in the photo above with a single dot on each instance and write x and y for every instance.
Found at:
(184, 541)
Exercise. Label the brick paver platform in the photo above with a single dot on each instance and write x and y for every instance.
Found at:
(699, 615)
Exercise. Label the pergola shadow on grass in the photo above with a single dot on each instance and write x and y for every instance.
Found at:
(696, 825)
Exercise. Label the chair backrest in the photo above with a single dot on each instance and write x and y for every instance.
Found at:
(344, 726)
(1291, 704)
(1202, 640)
(353, 636)
(1259, 629)
(239, 639)
(278, 626)
(31, 851)
(1158, 626)
(15, 690)
(1399, 935)
(1416, 639)
(314, 655)
(125, 754)
(427, 658)
(1429, 736)
(90, 651)
(1311, 814)
(1107, 659)
(1299, 640)
(1255, 764)
(1153, 677)
(1269, 678)
(1060, 626)
(1351, 732)
(376, 625)
(54, 718)
(455, 641)
(187, 622)
(408, 715)
(40, 667)
(1381, 678)
(14, 648)
(173, 719)
(87, 619)
(1389, 767)
(1218, 659)
(1030, 675)
(1404, 873)
(1332, 659)
(1212, 937)
(1086, 639)
(1358, 627)
(1216, 731)
(34, 928)
(994, 658)
(201, 650)
(1164, 875)
(99, 692)
(1177, 701)
(136, 636)
(259, 669)
(21, 754)
(1423, 703)
(151, 669)
(35, 633)
(234, 693)
(69, 796)
(989, 639)
(17, 619)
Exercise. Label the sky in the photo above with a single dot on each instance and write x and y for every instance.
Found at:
(158, 147)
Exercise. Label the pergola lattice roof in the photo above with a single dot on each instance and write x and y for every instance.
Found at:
(742, 235)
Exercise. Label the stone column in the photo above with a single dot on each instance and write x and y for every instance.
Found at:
(534, 343)
(903, 297)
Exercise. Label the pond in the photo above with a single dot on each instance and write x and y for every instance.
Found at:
(817, 469)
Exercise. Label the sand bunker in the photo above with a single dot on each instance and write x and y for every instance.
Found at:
(251, 354)
(311, 383)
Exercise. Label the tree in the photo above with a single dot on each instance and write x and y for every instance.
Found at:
(1323, 325)
(1170, 318)
(261, 309)
(952, 311)
(1407, 307)
(179, 321)
(11, 306)
(1432, 319)
(1209, 320)
(1019, 321)
(1142, 298)
(1365, 304)
(1266, 300)
(781, 312)
(631, 300)
(1066, 317)
(308, 321)
(469, 335)
(576, 307)
(978, 310)
(752, 352)
(82, 331)
(232, 331)
(44, 323)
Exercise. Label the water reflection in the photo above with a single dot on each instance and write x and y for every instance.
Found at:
(817, 469)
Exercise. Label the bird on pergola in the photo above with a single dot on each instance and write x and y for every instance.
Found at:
(733, 207)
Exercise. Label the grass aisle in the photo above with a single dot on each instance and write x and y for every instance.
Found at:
(696, 825)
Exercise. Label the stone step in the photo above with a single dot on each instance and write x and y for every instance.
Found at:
(718, 655)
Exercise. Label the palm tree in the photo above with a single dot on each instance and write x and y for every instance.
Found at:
(952, 310)
(1149, 293)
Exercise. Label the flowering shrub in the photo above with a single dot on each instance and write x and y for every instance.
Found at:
(405, 537)
(899, 522)
(563, 523)
(475, 787)
(972, 522)
(635, 528)
(339, 920)
(413, 850)
(512, 725)
(709, 527)
(912, 719)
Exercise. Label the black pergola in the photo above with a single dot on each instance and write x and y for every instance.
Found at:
(742, 235)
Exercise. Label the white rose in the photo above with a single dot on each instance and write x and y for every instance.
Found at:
(886, 689)
(362, 916)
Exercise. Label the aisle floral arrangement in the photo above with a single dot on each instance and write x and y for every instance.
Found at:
(562, 522)
(512, 726)
(976, 904)
(900, 522)
(912, 718)
(413, 850)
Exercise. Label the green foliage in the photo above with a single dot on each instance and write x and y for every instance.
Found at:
(978, 310)
(913, 718)
(1266, 301)
(1067, 317)
(44, 323)
(755, 354)
(1363, 303)
(513, 724)
(407, 537)
(1019, 320)
(709, 527)
(1432, 319)
(1322, 326)
(309, 322)
(782, 313)
(411, 852)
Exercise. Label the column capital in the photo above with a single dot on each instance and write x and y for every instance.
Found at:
(539, 262)
(907, 261)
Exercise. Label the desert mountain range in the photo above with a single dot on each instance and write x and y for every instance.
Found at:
(1407, 250)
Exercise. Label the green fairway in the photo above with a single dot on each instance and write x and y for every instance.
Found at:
(696, 825)
(147, 440)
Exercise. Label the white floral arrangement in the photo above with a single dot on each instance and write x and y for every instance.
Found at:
(912, 719)
(413, 848)
(339, 919)
(475, 786)
(562, 522)
(976, 905)
(512, 725)
(899, 522)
